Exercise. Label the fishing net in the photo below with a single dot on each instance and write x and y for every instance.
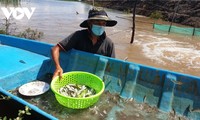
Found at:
(176, 29)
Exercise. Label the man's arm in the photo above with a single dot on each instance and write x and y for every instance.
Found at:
(55, 52)
(113, 51)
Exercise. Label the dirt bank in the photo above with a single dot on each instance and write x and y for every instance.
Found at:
(188, 12)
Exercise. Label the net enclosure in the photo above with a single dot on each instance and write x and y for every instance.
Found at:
(175, 29)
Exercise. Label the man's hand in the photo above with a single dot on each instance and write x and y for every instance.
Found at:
(55, 52)
(58, 72)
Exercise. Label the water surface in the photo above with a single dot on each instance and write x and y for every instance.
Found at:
(58, 19)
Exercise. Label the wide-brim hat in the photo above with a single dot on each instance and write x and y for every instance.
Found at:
(98, 14)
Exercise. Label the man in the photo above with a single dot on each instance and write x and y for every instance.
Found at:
(93, 39)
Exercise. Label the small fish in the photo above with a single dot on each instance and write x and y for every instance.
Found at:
(101, 114)
(74, 90)
(105, 112)
(177, 82)
(144, 99)
(119, 82)
(131, 99)
(195, 110)
(94, 110)
(174, 112)
(126, 58)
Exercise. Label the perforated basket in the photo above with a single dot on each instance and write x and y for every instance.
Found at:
(80, 78)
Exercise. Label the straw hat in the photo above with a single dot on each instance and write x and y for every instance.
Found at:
(98, 14)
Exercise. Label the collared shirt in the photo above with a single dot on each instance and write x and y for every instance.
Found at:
(80, 40)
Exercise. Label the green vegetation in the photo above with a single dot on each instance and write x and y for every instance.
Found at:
(127, 11)
(70, 0)
(14, 3)
(27, 33)
(30, 34)
(156, 15)
(2, 32)
(21, 113)
(2, 97)
(6, 27)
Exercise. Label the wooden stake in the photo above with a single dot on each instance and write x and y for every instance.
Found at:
(133, 29)
(174, 14)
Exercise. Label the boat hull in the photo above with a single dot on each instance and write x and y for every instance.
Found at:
(167, 90)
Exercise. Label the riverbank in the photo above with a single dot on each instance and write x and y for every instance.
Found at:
(187, 12)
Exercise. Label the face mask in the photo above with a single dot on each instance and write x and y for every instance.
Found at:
(98, 30)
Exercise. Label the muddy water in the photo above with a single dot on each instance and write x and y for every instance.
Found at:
(58, 19)
(171, 51)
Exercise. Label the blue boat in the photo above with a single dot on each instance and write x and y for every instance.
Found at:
(23, 60)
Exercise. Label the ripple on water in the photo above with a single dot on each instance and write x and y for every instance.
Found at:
(165, 50)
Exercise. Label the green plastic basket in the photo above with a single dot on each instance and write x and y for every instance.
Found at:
(81, 78)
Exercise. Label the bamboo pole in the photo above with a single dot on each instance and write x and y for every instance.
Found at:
(174, 14)
(194, 29)
(133, 29)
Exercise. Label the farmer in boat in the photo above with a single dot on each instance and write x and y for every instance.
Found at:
(93, 39)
